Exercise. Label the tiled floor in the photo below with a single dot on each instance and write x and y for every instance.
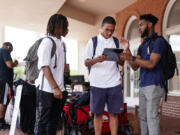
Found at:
(169, 126)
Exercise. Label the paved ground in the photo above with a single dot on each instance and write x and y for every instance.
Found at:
(169, 126)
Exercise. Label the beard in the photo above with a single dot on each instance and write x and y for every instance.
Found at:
(145, 33)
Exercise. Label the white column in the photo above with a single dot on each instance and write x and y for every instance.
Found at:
(2, 34)
(81, 67)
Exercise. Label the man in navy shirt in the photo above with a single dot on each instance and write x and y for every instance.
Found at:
(6, 80)
(151, 82)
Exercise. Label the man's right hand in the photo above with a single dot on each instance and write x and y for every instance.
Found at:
(90, 62)
(57, 93)
(124, 43)
(15, 63)
(101, 58)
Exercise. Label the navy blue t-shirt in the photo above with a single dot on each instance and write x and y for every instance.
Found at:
(152, 76)
(6, 74)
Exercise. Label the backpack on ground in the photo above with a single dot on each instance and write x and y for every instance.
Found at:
(31, 67)
(169, 69)
(94, 39)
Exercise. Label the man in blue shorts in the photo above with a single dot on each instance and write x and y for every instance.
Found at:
(104, 78)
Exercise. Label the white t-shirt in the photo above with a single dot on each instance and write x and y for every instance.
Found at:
(44, 59)
(103, 74)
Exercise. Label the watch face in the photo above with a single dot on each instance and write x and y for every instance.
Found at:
(133, 58)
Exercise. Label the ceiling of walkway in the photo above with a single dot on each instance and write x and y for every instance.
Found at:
(83, 14)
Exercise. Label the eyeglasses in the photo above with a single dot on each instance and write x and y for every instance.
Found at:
(110, 30)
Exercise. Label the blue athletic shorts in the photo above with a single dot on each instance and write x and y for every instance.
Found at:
(113, 97)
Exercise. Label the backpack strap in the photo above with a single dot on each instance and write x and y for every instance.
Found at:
(152, 42)
(94, 39)
(64, 47)
(53, 51)
(116, 41)
(54, 46)
(141, 46)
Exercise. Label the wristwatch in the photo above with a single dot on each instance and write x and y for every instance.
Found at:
(55, 87)
(133, 58)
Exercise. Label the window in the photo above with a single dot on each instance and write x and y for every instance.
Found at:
(174, 83)
(133, 31)
(171, 28)
(72, 55)
(132, 77)
(174, 18)
(136, 80)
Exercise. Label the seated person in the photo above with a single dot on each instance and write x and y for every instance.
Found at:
(84, 99)
(74, 94)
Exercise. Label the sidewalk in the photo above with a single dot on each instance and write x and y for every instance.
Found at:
(169, 126)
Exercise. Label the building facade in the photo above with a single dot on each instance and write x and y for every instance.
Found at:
(167, 12)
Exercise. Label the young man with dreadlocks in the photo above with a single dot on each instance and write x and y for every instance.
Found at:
(151, 81)
(50, 81)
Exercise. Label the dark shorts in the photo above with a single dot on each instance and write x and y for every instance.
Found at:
(113, 97)
(4, 90)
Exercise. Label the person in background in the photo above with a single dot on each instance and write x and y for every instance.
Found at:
(6, 80)
(84, 98)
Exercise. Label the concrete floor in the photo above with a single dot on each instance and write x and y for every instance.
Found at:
(169, 126)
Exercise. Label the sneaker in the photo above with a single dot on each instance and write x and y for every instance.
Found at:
(1, 126)
(4, 126)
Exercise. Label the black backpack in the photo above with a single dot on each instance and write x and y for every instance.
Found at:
(170, 67)
(31, 67)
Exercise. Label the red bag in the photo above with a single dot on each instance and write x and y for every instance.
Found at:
(82, 113)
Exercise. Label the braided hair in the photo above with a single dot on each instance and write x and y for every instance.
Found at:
(57, 21)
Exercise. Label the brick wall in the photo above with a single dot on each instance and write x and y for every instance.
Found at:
(157, 8)
(172, 107)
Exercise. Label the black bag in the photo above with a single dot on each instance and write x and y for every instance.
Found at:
(169, 69)
(27, 106)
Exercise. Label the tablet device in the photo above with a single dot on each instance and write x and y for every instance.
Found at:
(112, 54)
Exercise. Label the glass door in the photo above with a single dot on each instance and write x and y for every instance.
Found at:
(131, 78)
